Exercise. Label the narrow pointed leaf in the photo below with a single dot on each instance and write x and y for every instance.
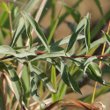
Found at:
(42, 77)
(74, 84)
(52, 31)
(95, 73)
(5, 7)
(75, 14)
(18, 31)
(26, 84)
(15, 82)
(67, 78)
(99, 6)
(87, 32)
(54, 81)
(37, 29)
(74, 36)
(107, 37)
(72, 41)
(61, 90)
(7, 50)
(34, 87)
(81, 25)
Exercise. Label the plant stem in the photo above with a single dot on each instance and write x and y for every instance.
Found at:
(10, 20)
(100, 65)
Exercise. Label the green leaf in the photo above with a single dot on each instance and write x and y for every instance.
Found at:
(25, 78)
(27, 27)
(95, 73)
(100, 91)
(42, 77)
(99, 6)
(81, 25)
(87, 32)
(13, 81)
(62, 17)
(5, 7)
(75, 14)
(18, 31)
(61, 90)
(49, 55)
(30, 6)
(74, 85)
(67, 78)
(54, 81)
(16, 83)
(3, 19)
(66, 39)
(95, 44)
(37, 29)
(53, 3)
(34, 86)
(72, 41)
(107, 37)
(52, 31)
(7, 50)
(20, 53)
(100, 24)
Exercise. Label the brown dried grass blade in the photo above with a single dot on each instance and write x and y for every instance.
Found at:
(72, 103)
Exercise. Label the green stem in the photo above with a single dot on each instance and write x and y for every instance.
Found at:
(10, 21)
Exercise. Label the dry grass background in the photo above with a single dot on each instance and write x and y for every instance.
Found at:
(86, 6)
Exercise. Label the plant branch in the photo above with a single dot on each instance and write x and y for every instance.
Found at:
(74, 57)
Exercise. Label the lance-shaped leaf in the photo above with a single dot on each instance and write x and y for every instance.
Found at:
(7, 50)
(49, 55)
(16, 83)
(87, 31)
(19, 53)
(72, 41)
(18, 31)
(67, 78)
(94, 72)
(75, 14)
(81, 25)
(37, 29)
(107, 37)
(74, 36)
(34, 83)
(13, 80)
(5, 7)
(99, 6)
(53, 28)
(61, 90)
(73, 84)
(42, 76)
(26, 83)
(54, 81)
